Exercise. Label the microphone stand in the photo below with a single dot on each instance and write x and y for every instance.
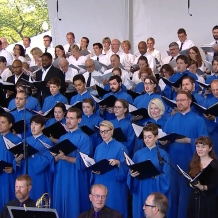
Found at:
(197, 190)
(25, 145)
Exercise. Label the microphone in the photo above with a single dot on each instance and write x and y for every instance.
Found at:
(26, 86)
(159, 156)
(189, 7)
(57, 12)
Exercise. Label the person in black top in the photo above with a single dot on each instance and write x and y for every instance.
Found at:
(23, 185)
(98, 196)
(207, 184)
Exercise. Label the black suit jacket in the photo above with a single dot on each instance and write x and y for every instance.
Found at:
(11, 79)
(53, 72)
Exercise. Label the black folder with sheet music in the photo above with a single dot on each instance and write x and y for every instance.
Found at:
(18, 149)
(134, 94)
(119, 135)
(4, 164)
(213, 109)
(18, 127)
(38, 84)
(171, 137)
(169, 102)
(140, 112)
(88, 131)
(65, 146)
(102, 166)
(101, 92)
(56, 130)
(174, 84)
(109, 101)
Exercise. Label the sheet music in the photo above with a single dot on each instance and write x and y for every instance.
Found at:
(9, 144)
(128, 160)
(88, 161)
(45, 144)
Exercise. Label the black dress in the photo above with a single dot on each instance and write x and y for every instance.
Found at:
(207, 199)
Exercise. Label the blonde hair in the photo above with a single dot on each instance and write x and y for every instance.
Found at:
(159, 104)
(106, 39)
(74, 48)
(127, 42)
(37, 51)
(107, 123)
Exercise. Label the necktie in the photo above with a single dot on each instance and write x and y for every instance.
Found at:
(46, 50)
(69, 49)
(215, 53)
(97, 58)
(89, 81)
(171, 59)
(180, 49)
(96, 214)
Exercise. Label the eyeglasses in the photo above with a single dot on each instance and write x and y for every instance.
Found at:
(103, 197)
(149, 84)
(104, 131)
(117, 107)
(89, 66)
(181, 100)
(148, 205)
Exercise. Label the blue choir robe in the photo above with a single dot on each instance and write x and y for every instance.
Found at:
(52, 100)
(199, 100)
(128, 131)
(71, 181)
(19, 115)
(167, 92)
(119, 95)
(80, 97)
(141, 189)
(92, 121)
(192, 126)
(107, 87)
(212, 126)
(53, 120)
(7, 180)
(31, 104)
(40, 166)
(178, 75)
(142, 101)
(114, 180)
(208, 81)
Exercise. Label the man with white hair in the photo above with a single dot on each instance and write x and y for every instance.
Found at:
(69, 73)
(5, 53)
(115, 49)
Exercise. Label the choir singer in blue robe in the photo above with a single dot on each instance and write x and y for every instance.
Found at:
(114, 180)
(71, 179)
(8, 176)
(141, 189)
(192, 126)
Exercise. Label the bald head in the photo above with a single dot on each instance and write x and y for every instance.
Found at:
(115, 45)
(142, 47)
(90, 65)
(214, 87)
(64, 64)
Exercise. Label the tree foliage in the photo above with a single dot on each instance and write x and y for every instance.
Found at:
(19, 18)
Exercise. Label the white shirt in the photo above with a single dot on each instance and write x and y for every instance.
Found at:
(105, 53)
(186, 44)
(67, 46)
(28, 49)
(33, 63)
(124, 77)
(209, 55)
(16, 78)
(7, 55)
(44, 73)
(135, 77)
(168, 59)
(81, 60)
(102, 59)
(50, 50)
(131, 59)
(93, 81)
(70, 74)
(21, 58)
(156, 54)
(5, 74)
(123, 58)
(151, 61)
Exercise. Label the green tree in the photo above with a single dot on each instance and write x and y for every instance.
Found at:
(21, 18)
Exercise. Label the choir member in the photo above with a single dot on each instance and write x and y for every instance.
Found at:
(114, 180)
(76, 58)
(59, 52)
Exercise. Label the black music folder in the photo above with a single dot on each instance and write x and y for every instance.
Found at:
(171, 137)
(65, 146)
(101, 92)
(134, 94)
(205, 85)
(213, 109)
(169, 102)
(119, 135)
(140, 112)
(18, 127)
(174, 84)
(38, 84)
(108, 102)
(146, 168)
(4, 164)
(101, 166)
(55, 130)
(88, 131)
